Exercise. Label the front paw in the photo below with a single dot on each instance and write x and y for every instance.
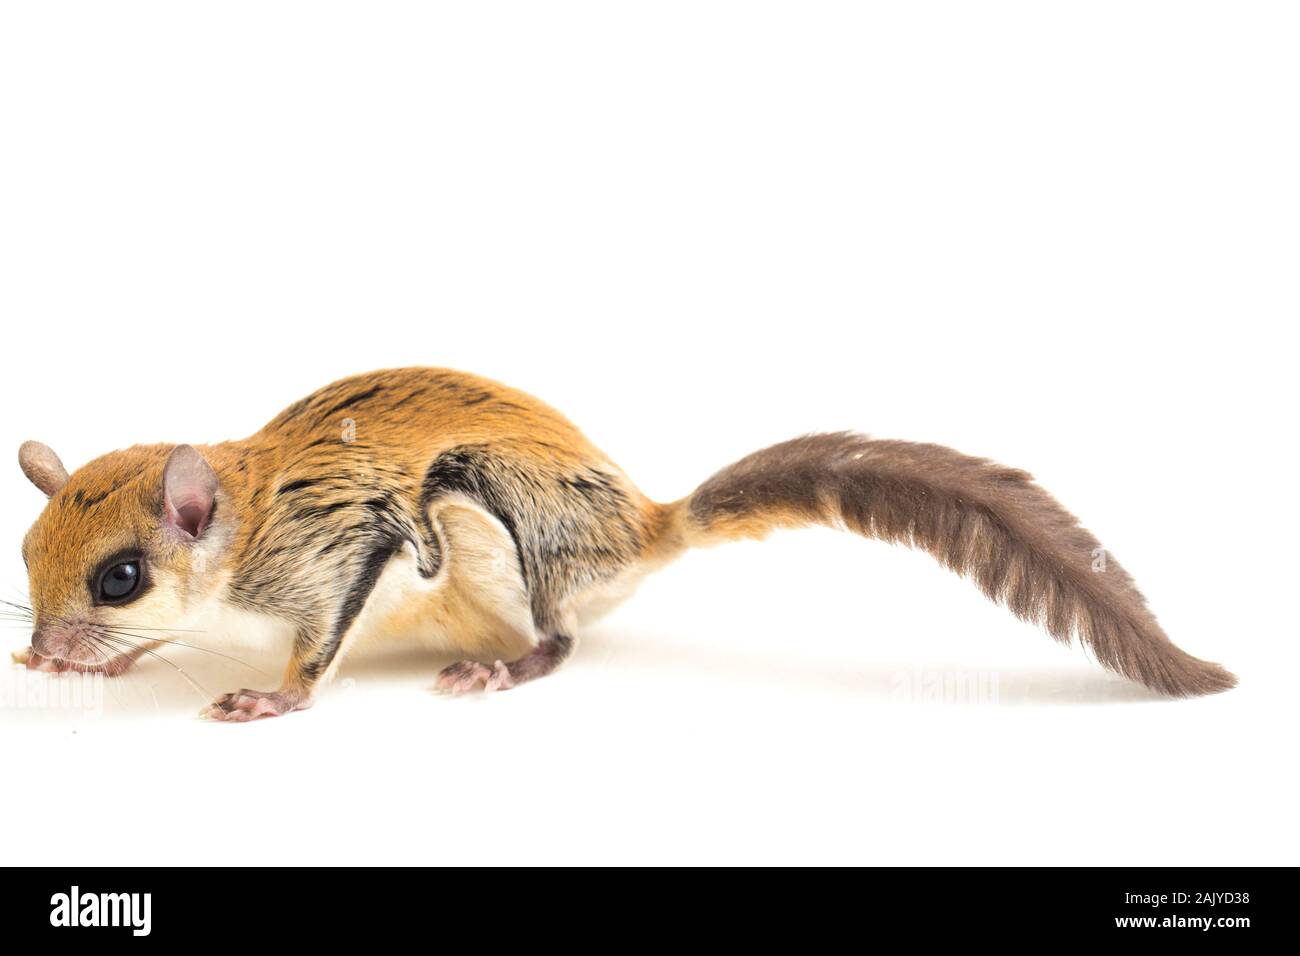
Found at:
(254, 704)
(29, 659)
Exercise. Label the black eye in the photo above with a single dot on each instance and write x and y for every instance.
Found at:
(119, 582)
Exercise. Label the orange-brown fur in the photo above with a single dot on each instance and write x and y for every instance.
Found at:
(489, 492)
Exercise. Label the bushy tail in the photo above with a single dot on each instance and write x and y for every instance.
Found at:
(986, 522)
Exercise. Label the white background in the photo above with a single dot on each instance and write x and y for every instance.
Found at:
(1061, 235)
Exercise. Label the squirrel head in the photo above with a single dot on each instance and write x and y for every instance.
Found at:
(125, 547)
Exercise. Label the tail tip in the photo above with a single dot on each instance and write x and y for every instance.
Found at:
(1199, 679)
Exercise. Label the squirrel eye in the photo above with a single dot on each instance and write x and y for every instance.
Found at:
(119, 582)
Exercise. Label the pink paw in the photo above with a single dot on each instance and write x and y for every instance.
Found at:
(252, 705)
(471, 675)
(34, 662)
(31, 660)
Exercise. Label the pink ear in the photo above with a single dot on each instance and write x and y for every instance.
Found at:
(189, 491)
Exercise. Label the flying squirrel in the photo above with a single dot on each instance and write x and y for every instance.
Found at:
(438, 504)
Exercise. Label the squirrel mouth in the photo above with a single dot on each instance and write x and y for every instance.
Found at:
(112, 665)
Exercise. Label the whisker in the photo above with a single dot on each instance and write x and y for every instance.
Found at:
(28, 613)
(22, 616)
(108, 678)
(207, 650)
(120, 641)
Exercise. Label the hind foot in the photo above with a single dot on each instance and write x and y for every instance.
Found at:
(466, 676)
(540, 661)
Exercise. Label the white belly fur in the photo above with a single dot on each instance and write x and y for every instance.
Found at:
(476, 605)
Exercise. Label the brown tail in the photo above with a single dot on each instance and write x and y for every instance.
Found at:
(986, 522)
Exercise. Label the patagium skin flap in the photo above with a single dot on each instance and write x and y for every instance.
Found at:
(431, 504)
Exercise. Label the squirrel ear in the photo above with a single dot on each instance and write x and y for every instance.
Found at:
(189, 491)
(42, 467)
